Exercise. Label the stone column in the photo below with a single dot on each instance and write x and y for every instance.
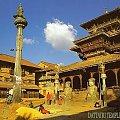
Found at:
(116, 77)
(56, 87)
(20, 22)
(91, 74)
(71, 77)
(80, 76)
(103, 77)
(63, 78)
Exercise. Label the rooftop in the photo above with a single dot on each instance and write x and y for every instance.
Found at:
(23, 86)
(11, 59)
(92, 62)
(49, 65)
(98, 20)
(91, 36)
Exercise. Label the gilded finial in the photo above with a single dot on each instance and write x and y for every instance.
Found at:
(19, 19)
(106, 11)
(20, 10)
(102, 67)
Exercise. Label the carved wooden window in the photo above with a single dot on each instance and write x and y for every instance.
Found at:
(7, 79)
(11, 71)
(31, 82)
(23, 73)
(30, 73)
(90, 43)
(11, 78)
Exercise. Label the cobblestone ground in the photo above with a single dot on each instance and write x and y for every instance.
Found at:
(8, 111)
(5, 112)
(76, 109)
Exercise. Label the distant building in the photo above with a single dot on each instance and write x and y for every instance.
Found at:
(46, 79)
(28, 85)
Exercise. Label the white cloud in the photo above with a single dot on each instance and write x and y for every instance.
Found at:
(60, 35)
(28, 41)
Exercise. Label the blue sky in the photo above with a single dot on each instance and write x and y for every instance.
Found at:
(38, 13)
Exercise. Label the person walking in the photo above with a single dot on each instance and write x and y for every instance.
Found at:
(60, 100)
(48, 98)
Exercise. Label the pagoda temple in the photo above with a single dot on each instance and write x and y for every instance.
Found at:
(103, 38)
(101, 46)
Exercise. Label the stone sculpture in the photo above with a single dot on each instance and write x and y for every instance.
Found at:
(67, 92)
(92, 94)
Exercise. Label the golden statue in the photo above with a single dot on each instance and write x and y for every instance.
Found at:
(92, 94)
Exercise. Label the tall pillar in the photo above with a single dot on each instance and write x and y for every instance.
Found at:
(20, 22)
(56, 87)
(103, 77)
(63, 78)
(71, 77)
(91, 74)
(116, 77)
(80, 76)
(57, 76)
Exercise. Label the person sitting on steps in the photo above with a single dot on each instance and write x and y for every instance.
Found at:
(31, 105)
(43, 110)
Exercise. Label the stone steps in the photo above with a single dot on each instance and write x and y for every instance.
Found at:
(80, 97)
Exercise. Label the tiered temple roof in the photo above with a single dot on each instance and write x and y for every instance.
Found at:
(103, 38)
(103, 20)
(95, 61)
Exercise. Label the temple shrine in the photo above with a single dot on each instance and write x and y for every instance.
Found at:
(101, 46)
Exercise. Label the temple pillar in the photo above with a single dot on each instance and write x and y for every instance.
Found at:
(91, 74)
(71, 77)
(116, 77)
(20, 23)
(80, 76)
(63, 78)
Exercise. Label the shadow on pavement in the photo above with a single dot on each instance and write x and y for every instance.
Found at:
(112, 112)
(87, 115)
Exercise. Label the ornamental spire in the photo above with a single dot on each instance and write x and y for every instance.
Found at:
(20, 11)
(106, 11)
(19, 19)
